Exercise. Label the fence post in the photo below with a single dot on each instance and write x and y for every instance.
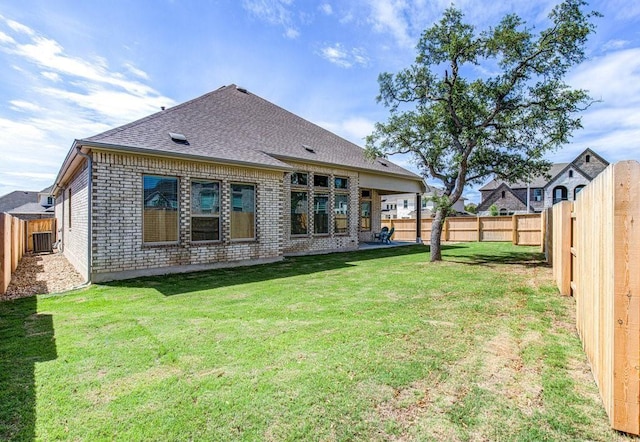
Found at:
(626, 308)
(514, 230)
(446, 229)
(5, 252)
(479, 228)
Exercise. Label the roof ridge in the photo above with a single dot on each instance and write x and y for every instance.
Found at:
(142, 120)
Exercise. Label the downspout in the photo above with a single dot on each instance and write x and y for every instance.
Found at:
(89, 208)
(60, 240)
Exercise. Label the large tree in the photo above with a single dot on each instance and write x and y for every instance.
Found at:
(462, 126)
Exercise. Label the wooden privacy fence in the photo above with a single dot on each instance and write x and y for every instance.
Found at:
(12, 247)
(596, 257)
(17, 239)
(524, 229)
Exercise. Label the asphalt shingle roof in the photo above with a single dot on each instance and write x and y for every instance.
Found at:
(538, 181)
(232, 125)
(17, 198)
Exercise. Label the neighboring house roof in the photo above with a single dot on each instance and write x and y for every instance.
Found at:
(17, 198)
(538, 181)
(29, 209)
(484, 205)
(47, 190)
(235, 126)
(564, 169)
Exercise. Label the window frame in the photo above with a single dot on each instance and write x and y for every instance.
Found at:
(178, 213)
(212, 215)
(537, 194)
(316, 175)
(291, 213)
(365, 199)
(231, 211)
(327, 212)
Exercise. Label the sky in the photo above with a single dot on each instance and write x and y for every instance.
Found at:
(72, 69)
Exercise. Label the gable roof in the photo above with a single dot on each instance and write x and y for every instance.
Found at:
(30, 208)
(564, 169)
(232, 125)
(488, 201)
(537, 181)
(17, 198)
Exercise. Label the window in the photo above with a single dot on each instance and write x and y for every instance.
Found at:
(49, 201)
(537, 194)
(559, 194)
(341, 213)
(321, 181)
(160, 209)
(365, 210)
(503, 212)
(205, 211)
(299, 179)
(571, 174)
(587, 159)
(321, 214)
(341, 183)
(405, 204)
(243, 209)
(299, 212)
(503, 194)
(69, 202)
(577, 190)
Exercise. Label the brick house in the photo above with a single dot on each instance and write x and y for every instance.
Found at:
(563, 182)
(222, 180)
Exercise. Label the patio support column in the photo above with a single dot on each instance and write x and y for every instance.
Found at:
(418, 219)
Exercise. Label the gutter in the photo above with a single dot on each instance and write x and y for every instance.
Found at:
(89, 209)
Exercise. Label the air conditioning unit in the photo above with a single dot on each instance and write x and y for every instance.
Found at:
(42, 242)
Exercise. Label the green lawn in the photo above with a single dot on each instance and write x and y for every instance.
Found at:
(372, 345)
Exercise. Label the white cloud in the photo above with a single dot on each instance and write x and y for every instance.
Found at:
(20, 105)
(614, 45)
(51, 76)
(354, 129)
(274, 12)
(137, 72)
(611, 127)
(326, 8)
(63, 96)
(38, 175)
(390, 16)
(19, 27)
(4, 38)
(614, 77)
(346, 58)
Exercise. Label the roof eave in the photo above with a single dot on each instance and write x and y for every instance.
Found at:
(412, 177)
(182, 156)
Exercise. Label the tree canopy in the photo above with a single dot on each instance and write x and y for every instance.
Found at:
(463, 127)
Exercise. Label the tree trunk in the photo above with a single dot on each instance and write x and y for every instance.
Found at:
(436, 235)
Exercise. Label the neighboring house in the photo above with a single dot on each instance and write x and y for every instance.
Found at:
(28, 204)
(225, 179)
(403, 206)
(563, 182)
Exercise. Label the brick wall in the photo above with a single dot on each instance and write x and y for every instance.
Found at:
(72, 219)
(118, 249)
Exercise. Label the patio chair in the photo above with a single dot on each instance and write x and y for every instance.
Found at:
(381, 235)
(386, 237)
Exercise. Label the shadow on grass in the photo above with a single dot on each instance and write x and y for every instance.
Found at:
(26, 338)
(181, 283)
(502, 258)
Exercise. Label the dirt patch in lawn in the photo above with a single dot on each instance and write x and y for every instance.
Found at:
(40, 274)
